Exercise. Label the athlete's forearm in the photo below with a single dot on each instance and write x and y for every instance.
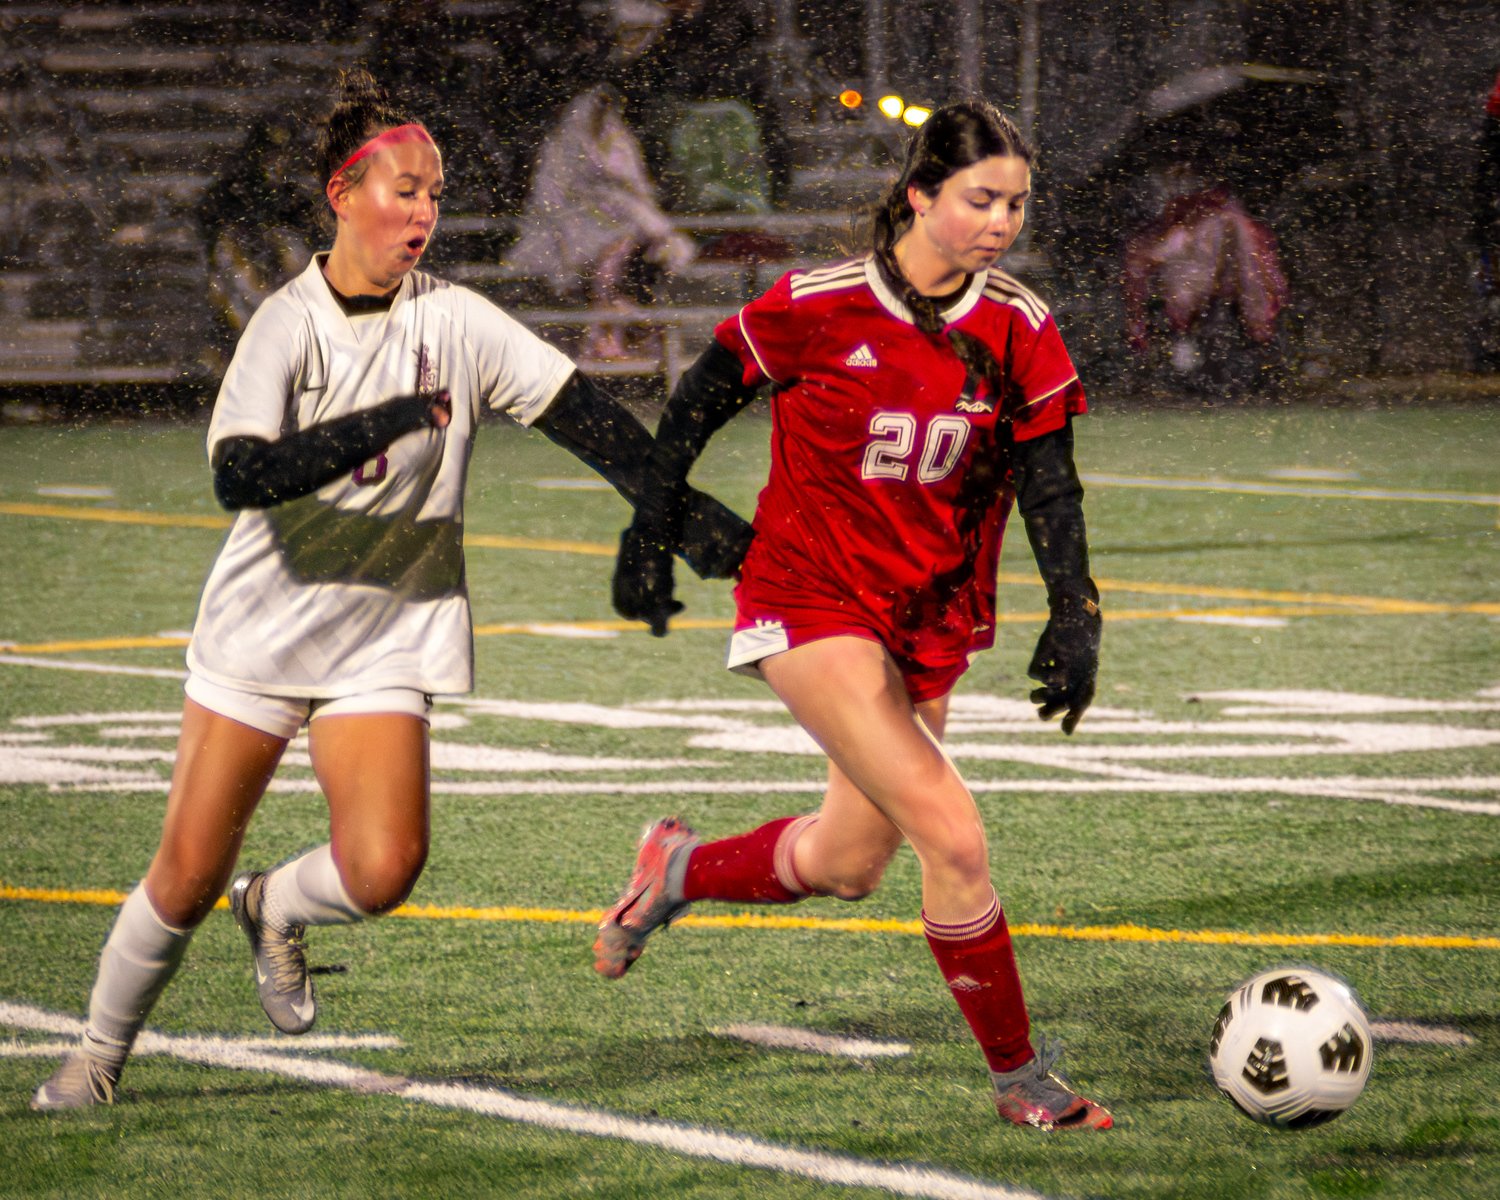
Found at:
(710, 392)
(1049, 496)
(250, 472)
(590, 425)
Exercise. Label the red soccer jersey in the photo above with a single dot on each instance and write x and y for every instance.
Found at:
(888, 492)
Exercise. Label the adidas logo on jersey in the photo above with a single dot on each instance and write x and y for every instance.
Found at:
(862, 357)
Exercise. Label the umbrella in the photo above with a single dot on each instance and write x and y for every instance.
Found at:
(1254, 126)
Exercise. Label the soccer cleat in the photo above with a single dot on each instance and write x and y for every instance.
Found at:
(80, 1082)
(281, 977)
(1036, 1094)
(653, 897)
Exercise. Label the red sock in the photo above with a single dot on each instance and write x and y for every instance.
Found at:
(976, 959)
(754, 867)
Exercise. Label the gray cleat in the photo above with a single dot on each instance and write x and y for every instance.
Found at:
(281, 976)
(80, 1082)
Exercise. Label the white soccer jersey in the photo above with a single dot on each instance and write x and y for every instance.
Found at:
(360, 585)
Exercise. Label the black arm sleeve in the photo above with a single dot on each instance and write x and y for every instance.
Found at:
(710, 392)
(251, 472)
(590, 425)
(1050, 498)
(587, 423)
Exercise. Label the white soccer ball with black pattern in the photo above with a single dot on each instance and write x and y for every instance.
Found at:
(1292, 1047)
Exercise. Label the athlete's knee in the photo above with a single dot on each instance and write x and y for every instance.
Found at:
(854, 876)
(855, 887)
(183, 901)
(958, 853)
(184, 887)
(380, 877)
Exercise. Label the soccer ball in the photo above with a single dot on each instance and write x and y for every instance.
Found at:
(1292, 1047)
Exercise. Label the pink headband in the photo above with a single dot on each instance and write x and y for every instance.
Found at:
(401, 133)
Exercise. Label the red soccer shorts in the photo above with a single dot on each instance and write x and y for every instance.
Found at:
(763, 629)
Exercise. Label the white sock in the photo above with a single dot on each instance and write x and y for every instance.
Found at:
(139, 957)
(308, 891)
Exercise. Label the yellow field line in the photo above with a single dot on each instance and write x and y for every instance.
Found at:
(120, 643)
(1306, 603)
(1084, 933)
(117, 516)
(543, 628)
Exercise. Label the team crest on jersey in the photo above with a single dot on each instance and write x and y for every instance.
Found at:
(861, 357)
(427, 374)
(970, 401)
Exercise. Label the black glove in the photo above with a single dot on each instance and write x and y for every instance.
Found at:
(715, 539)
(1066, 662)
(642, 586)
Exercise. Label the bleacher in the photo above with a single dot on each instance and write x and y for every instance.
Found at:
(117, 117)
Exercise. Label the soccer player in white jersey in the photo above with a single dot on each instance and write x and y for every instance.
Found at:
(919, 392)
(341, 435)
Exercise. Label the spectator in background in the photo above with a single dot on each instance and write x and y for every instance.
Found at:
(592, 213)
(1487, 234)
(707, 52)
(254, 222)
(1217, 274)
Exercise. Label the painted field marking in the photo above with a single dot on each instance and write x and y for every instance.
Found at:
(150, 1045)
(784, 1037)
(751, 920)
(1274, 612)
(589, 483)
(1127, 753)
(97, 668)
(608, 550)
(76, 491)
(692, 1141)
(1254, 488)
(1313, 474)
(1247, 622)
(117, 516)
(1419, 1033)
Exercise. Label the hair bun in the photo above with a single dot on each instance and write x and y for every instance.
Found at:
(358, 87)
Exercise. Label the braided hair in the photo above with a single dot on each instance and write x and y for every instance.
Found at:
(956, 136)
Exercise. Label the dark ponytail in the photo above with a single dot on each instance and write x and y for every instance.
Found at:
(956, 136)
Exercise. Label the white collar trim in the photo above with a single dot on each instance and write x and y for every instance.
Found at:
(893, 303)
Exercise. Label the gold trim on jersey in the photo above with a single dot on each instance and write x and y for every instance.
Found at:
(1007, 289)
(841, 275)
(1071, 379)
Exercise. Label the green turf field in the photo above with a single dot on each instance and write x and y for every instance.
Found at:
(1292, 757)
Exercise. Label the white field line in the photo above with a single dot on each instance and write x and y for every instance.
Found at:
(690, 1141)
(1242, 622)
(1098, 766)
(1322, 703)
(94, 668)
(1416, 1033)
(1398, 792)
(149, 1045)
(1256, 488)
(784, 1037)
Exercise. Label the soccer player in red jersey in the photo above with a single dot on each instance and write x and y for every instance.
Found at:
(918, 393)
